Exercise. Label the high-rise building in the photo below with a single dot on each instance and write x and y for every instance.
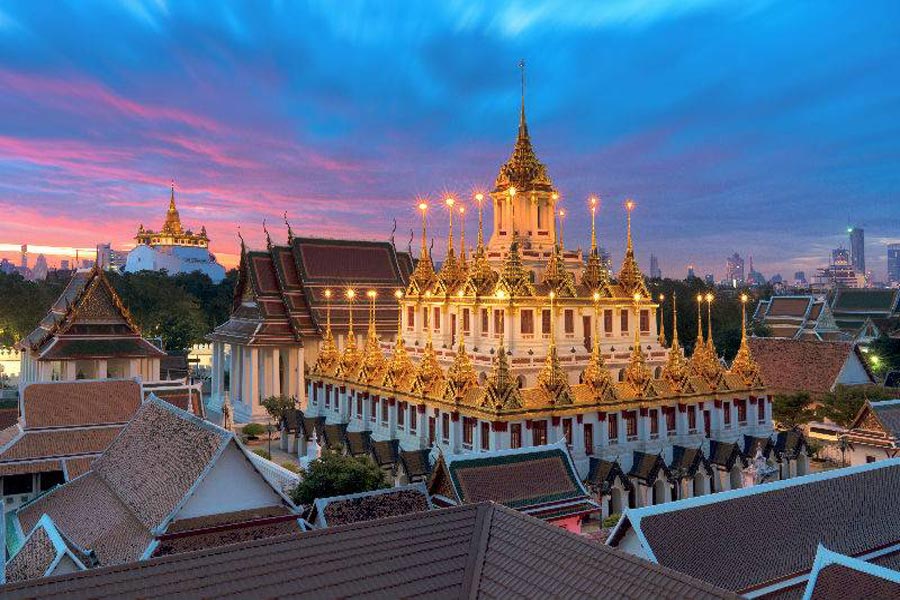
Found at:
(734, 270)
(893, 263)
(857, 249)
(64, 264)
(24, 259)
(800, 278)
(690, 273)
(39, 273)
(710, 279)
(840, 257)
(655, 273)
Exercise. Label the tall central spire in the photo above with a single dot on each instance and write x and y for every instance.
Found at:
(523, 126)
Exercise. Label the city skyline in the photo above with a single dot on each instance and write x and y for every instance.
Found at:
(712, 116)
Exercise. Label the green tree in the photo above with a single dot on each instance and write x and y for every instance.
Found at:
(843, 404)
(277, 405)
(792, 410)
(883, 355)
(334, 474)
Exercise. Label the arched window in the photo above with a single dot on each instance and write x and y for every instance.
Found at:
(621, 374)
(657, 372)
(520, 381)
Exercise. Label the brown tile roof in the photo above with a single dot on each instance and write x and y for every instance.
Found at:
(63, 404)
(799, 365)
(416, 464)
(365, 506)
(8, 417)
(808, 510)
(888, 414)
(789, 306)
(539, 480)
(187, 535)
(157, 458)
(185, 397)
(25, 467)
(648, 467)
(687, 461)
(41, 551)
(48, 443)
(602, 475)
(385, 452)
(478, 551)
(76, 467)
(837, 582)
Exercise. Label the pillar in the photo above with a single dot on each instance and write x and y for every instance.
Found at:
(253, 398)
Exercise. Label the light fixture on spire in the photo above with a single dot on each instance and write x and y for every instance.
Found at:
(479, 201)
(562, 216)
(594, 201)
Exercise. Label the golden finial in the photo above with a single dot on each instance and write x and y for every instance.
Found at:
(268, 237)
(637, 373)
(562, 216)
(629, 206)
(449, 202)
(350, 294)
(700, 341)
(630, 276)
(595, 374)
(662, 321)
(551, 377)
(462, 233)
(423, 277)
(374, 363)
(329, 357)
(743, 364)
(479, 200)
(675, 369)
(595, 202)
(709, 334)
(674, 320)
(423, 207)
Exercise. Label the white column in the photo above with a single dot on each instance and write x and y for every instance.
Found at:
(246, 376)
(276, 371)
(154, 364)
(602, 434)
(70, 370)
(621, 430)
(662, 427)
(253, 399)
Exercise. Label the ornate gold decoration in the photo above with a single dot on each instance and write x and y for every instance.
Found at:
(423, 276)
(675, 370)
(430, 378)
(329, 357)
(374, 363)
(514, 280)
(501, 391)
(556, 276)
(630, 276)
(523, 171)
(743, 365)
(596, 375)
(704, 363)
(551, 378)
(172, 224)
(352, 357)
(400, 371)
(637, 373)
(461, 376)
(595, 275)
(172, 232)
(452, 275)
(482, 278)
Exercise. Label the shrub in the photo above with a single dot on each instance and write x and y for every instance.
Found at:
(253, 430)
(265, 454)
(611, 520)
(333, 474)
(290, 466)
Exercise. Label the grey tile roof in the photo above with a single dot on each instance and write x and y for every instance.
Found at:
(474, 551)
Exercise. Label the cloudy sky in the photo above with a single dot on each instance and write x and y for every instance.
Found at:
(752, 126)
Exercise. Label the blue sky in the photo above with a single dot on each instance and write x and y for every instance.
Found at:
(752, 126)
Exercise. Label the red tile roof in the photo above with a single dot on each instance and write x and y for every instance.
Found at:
(365, 506)
(788, 306)
(64, 404)
(476, 551)
(800, 365)
(60, 443)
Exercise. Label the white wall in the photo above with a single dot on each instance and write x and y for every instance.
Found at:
(853, 372)
(630, 544)
(232, 484)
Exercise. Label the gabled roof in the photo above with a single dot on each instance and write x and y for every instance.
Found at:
(385, 452)
(686, 462)
(476, 551)
(80, 403)
(365, 506)
(538, 480)
(737, 524)
(800, 365)
(42, 551)
(648, 467)
(882, 417)
(725, 454)
(838, 577)
(135, 489)
(88, 320)
(416, 464)
(603, 474)
(873, 302)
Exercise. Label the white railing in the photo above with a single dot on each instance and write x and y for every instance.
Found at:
(275, 474)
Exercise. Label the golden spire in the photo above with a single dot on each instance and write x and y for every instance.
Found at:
(556, 276)
(700, 341)
(637, 373)
(429, 373)
(329, 357)
(401, 369)
(351, 359)
(173, 221)
(675, 368)
(423, 276)
(662, 322)
(595, 374)
(462, 239)
(709, 333)
(551, 377)
(630, 276)
(481, 277)
(594, 275)
(451, 275)
(501, 391)
(461, 374)
(374, 362)
(704, 362)
(743, 364)
(562, 215)
(514, 280)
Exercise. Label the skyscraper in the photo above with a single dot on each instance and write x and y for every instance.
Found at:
(655, 273)
(690, 273)
(857, 250)
(734, 270)
(893, 263)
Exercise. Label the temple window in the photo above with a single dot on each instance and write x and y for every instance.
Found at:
(623, 320)
(484, 321)
(437, 319)
(589, 438)
(413, 419)
(741, 411)
(373, 410)
(468, 432)
(726, 413)
(445, 427)
(545, 322)
(569, 321)
(485, 436)
(526, 322)
(498, 323)
(410, 318)
(612, 428)
(670, 419)
(631, 425)
(692, 419)
(359, 405)
(608, 321)
(654, 423)
(515, 435)
(424, 317)
(401, 415)
(467, 325)
(567, 430)
(539, 433)
(384, 412)
(645, 320)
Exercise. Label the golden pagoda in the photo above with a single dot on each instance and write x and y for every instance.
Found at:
(172, 232)
(352, 357)
(596, 374)
(595, 276)
(501, 392)
(743, 364)
(675, 370)
(637, 373)
(374, 363)
(401, 371)
(461, 376)
(423, 276)
(551, 378)
(630, 276)
(481, 276)
(429, 375)
(452, 275)
(329, 357)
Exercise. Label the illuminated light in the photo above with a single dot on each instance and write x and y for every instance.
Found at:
(744, 298)
(500, 294)
(371, 293)
(596, 296)
(554, 196)
(562, 213)
(351, 294)
(512, 191)
(594, 201)
(462, 210)
(479, 197)
(662, 297)
(552, 295)
(398, 294)
(709, 297)
(699, 297)
(629, 205)
(328, 293)
(637, 297)
(450, 202)
(423, 207)
(428, 294)
(875, 360)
